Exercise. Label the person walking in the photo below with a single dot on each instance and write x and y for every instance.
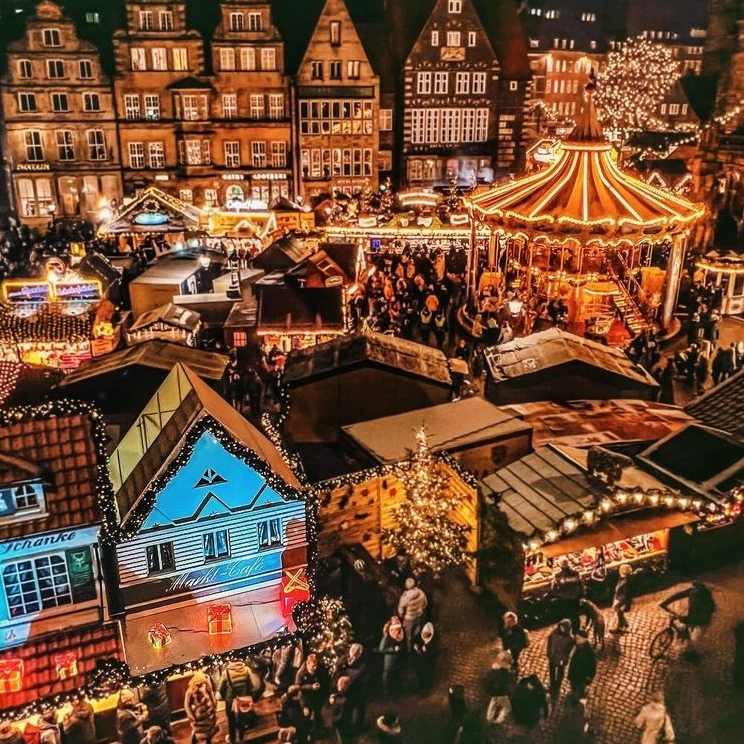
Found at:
(200, 706)
(700, 609)
(130, 717)
(567, 589)
(560, 645)
(411, 610)
(235, 683)
(514, 638)
(582, 668)
(426, 651)
(529, 702)
(498, 684)
(621, 598)
(654, 721)
(391, 646)
(594, 622)
(155, 697)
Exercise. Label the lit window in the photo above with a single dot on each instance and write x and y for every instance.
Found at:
(216, 545)
(159, 59)
(453, 38)
(25, 69)
(51, 37)
(247, 58)
(435, 38)
(92, 17)
(232, 154)
(352, 69)
(36, 584)
(136, 155)
(454, 6)
(152, 107)
(85, 69)
(139, 58)
(335, 33)
(237, 22)
(227, 58)
(180, 58)
(386, 120)
(269, 533)
(673, 109)
(156, 152)
(210, 197)
(268, 58)
(186, 195)
(160, 557)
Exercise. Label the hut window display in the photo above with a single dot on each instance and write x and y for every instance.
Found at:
(160, 558)
(269, 533)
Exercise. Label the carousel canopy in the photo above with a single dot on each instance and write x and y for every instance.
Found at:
(585, 190)
(153, 211)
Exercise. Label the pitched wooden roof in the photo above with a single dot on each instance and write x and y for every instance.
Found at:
(722, 407)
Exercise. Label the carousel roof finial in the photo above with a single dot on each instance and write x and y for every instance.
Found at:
(587, 127)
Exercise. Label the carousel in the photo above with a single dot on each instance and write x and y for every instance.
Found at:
(581, 243)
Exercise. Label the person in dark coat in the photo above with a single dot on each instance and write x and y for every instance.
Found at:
(426, 652)
(392, 645)
(497, 685)
(155, 698)
(78, 725)
(514, 638)
(341, 712)
(700, 609)
(291, 714)
(355, 669)
(311, 681)
(574, 728)
(529, 701)
(234, 683)
(583, 665)
(130, 717)
(560, 645)
(666, 383)
(566, 590)
(594, 622)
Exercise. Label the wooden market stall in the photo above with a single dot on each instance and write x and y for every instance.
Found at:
(724, 272)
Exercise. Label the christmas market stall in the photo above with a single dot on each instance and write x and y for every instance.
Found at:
(594, 508)
(54, 630)
(725, 273)
(168, 323)
(581, 230)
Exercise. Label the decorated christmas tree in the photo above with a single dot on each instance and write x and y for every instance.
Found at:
(328, 630)
(426, 530)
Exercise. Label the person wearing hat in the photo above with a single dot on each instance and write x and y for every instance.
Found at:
(130, 717)
(514, 638)
(391, 646)
(411, 609)
(498, 684)
(200, 706)
(78, 725)
(426, 651)
(9, 734)
(155, 697)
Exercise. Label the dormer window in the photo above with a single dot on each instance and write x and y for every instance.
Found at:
(51, 38)
(255, 23)
(335, 33)
(454, 6)
(237, 22)
(22, 498)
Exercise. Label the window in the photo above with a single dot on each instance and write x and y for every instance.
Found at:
(131, 106)
(96, 145)
(210, 197)
(423, 83)
(454, 6)
(34, 149)
(60, 103)
(139, 58)
(269, 533)
(237, 22)
(278, 154)
(453, 38)
(165, 20)
(386, 120)
(435, 38)
(186, 195)
(159, 58)
(25, 69)
(55, 68)
(27, 102)
(152, 107)
(352, 69)
(180, 58)
(258, 154)
(440, 82)
(229, 106)
(232, 154)
(673, 109)
(514, 85)
(136, 155)
(50, 37)
(663, 109)
(193, 107)
(256, 101)
(316, 69)
(192, 152)
(36, 584)
(156, 153)
(254, 22)
(247, 58)
(462, 83)
(268, 58)
(683, 109)
(335, 69)
(472, 37)
(26, 497)
(276, 106)
(479, 82)
(216, 545)
(91, 102)
(335, 33)
(85, 69)
(146, 20)
(160, 557)
(227, 58)
(35, 196)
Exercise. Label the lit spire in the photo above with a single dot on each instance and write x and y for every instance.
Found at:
(587, 127)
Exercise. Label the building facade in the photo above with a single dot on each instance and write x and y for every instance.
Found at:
(336, 108)
(59, 136)
(251, 111)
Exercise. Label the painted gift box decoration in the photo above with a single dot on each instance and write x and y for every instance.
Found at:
(159, 635)
(65, 664)
(295, 588)
(11, 675)
(219, 618)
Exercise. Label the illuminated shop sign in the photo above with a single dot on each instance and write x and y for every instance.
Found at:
(78, 291)
(24, 291)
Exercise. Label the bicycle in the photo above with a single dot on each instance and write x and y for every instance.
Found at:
(676, 630)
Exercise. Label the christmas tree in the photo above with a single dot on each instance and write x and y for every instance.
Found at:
(426, 530)
(328, 630)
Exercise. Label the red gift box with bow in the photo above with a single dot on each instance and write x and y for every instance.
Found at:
(65, 664)
(11, 675)
(159, 635)
(219, 617)
(295, 588)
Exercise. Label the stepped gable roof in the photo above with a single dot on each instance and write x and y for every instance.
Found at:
(196, 404)
(722, 407)
(58, 448)
(351, 351)
(585, 190)
(554, 347)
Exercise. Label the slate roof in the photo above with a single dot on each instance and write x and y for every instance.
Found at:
(374, 349)
(283, 254)
(553, 348)
(25, 385)
(170, 314)
(722, 407)
(60, 450)
(40, 678)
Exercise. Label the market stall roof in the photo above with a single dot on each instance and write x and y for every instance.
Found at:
(553, 347)
(449, 427)
(351, 351)
(284, 253)
(721, 407)
(153, 211)
(179, 404)
(170, 268)
(170, 314)
(699, 458)
(97, 266)
(23, 384)
(584, 190)
(237, 223)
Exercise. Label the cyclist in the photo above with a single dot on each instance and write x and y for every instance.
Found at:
(700, 609)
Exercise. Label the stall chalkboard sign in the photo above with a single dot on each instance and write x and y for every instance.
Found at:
(80, 571)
